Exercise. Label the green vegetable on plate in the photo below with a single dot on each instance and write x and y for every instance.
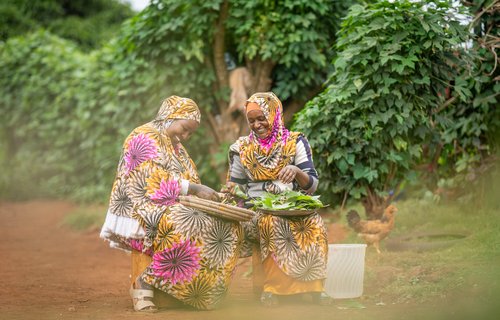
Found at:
(289, 200)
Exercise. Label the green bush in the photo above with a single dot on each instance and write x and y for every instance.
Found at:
(394, 62)
(88, 23)
(468, 129)
(66, 114)
(40, 75)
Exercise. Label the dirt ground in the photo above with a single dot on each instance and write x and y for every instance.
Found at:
(52, 272)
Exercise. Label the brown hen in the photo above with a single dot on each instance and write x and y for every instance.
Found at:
(373, 231)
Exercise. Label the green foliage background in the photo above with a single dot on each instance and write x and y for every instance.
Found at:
(65, 123)
(68, 102)
(66, 112)
(89, 23)
(398, 66)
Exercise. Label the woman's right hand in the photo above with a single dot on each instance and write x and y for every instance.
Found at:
(202, 191)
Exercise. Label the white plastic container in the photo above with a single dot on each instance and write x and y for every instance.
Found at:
(345, 270)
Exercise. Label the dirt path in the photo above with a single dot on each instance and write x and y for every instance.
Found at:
(51, 272)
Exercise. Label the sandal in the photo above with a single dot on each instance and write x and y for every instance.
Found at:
(140, 303)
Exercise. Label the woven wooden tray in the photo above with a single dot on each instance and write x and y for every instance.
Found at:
(217, 209)
(288, 213)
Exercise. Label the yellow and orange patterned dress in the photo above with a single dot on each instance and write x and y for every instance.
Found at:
(293, 249)
(193, 254)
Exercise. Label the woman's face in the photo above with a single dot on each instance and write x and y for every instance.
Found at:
(258, 123)
(180, 130)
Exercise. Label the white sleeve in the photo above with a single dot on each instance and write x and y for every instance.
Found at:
(184, 187)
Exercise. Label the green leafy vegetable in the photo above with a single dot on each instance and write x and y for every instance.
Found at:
(239, 193)
(289, 200)
(234, 196)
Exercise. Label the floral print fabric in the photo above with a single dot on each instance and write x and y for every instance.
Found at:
(298, 245)
(264, 158)
(193, 254)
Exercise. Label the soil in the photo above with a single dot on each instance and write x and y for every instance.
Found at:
(50, 271)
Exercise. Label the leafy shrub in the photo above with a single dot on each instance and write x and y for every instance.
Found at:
(38, 104)
(471, 132)
(89, 23)
(394, 62)
(66, 114)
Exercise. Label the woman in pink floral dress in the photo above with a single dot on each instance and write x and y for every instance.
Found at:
(193, 254)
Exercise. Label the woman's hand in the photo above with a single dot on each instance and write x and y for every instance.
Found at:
(202, 191)
(288, 173)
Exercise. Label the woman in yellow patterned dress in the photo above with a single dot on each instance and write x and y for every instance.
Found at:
(193, 254)
(273, 159)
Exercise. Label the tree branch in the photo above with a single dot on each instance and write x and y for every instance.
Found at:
(219, 49)
(214, 128)
(342, 206)
(261, 74)
(264, 81)
(390, 176)
(445, 104)
(483, 11)
(388, 200)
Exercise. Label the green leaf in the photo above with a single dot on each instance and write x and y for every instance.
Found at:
(359, 171)
(358, 83)
(400, 144)
(342, 165)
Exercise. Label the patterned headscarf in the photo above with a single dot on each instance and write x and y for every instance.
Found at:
(271, 106)
(264, 158)
(175, 107)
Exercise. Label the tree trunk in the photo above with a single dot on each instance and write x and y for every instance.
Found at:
(261, 74)
(228, 124)
(374, 205)
(374, 210)
(222, 123)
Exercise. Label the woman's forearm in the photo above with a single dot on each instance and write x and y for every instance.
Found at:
(302, 178)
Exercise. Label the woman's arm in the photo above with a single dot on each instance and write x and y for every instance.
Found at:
(302, 170)
(202, 191)
(236, 174)
(292, 172)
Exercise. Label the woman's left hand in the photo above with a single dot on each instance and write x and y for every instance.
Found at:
(288, 173)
